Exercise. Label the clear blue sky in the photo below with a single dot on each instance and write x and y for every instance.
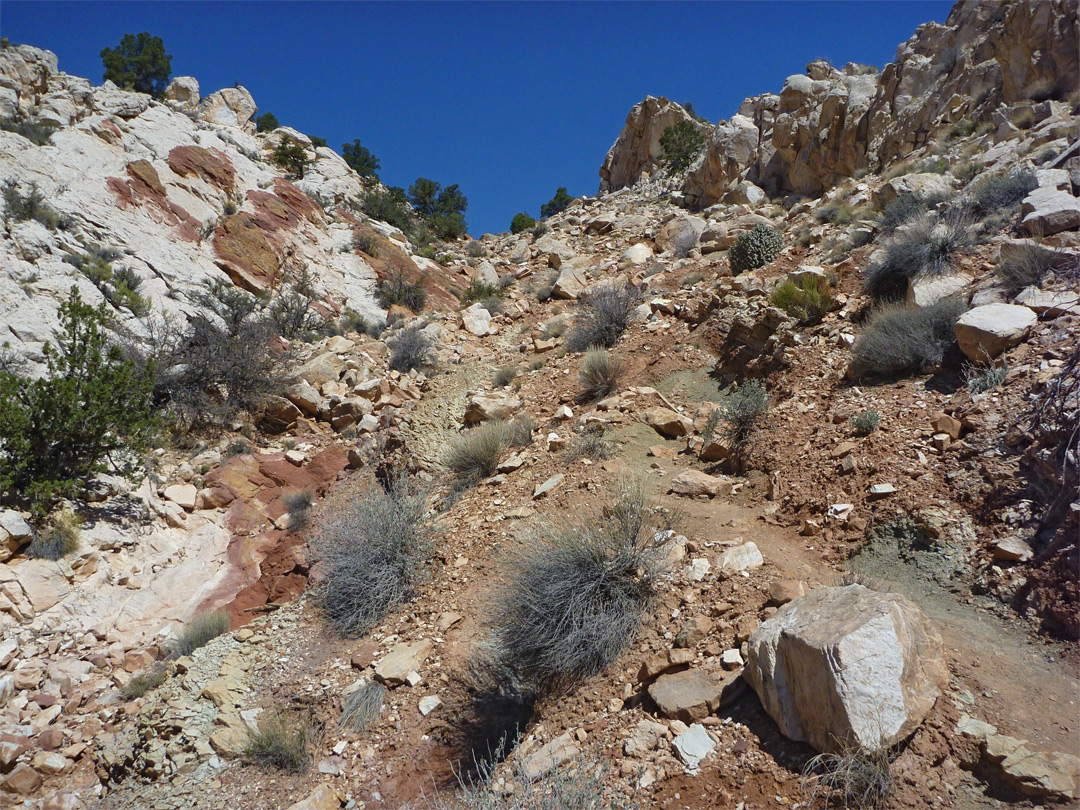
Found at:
(510, 100)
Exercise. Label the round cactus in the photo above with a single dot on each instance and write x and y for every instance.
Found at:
(755, 248)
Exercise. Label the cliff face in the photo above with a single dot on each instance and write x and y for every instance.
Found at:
(987, 63)
(183, 190)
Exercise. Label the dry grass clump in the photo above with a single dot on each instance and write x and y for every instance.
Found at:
(363, 707)
(1025, 266)
(410, 349)
(520, 431)
(281, 742)
(201, 630)
(504, 375)
(902, 340)
(574, 591)
(602, 318)
(298, 503)
(474, 455)
(144, 682)
(925, 248)
(58, 539)
(577, 786)
(854, 779)
(590, 443)
(599, 375)
(375, 547)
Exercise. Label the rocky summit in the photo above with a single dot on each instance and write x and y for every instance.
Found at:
(750, 481)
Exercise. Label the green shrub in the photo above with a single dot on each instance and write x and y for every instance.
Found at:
(37, 134)
(743, 410)
(599, 374)
(557, 204)
(521, 222)
(901, 340)
(1001, 193)
(200, 631)
(411, 349)
(375, 549)
(389, 206)
(267, 122)
(361, 160)
(290, 156)
(865, 422)
(807, 301)
(138, 63)
(281, 742)
(90, 412)
(397, 289)
(478, 291)
(363, 707)
(475, 250)
(142, 683)
(968, 171)
(573, 593)
(290, 310)
(366, 243)
(755, 248)
(540, 229)
(213, 370)
(59, 538)
(923, 249)
(442, 208)
(839, 212)
(474, 455)
(682, 143)
(982, 378)
(602, 317)
(31, 205)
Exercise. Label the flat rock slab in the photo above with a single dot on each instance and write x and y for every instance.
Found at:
(693, 745)
(741, 558)
(403, 659)
(694, 482)
(1047, 211)
(551, 756)
(688, 696)
(985, 332)
(548, 485)
(182, 495)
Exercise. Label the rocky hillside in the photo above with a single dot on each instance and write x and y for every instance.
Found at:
(999, 64)
(834, 433)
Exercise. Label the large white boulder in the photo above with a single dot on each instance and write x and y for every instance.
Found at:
(183, 93)
(847, 665)
(231, 107)
(985, 332)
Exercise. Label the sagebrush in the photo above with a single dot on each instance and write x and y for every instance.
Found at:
(602, 317)
(376, 547)
(573, 592)
(474, 455)
(901, 340)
